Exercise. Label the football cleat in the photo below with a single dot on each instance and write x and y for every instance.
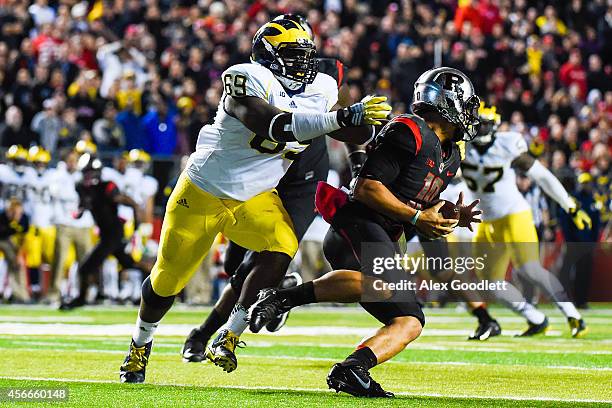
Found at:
(535, 329)
(578, 327)
(72, 304)
(268, 306)
(355, 380)
(135, 364)
(221, 350)
(486, 330)
(292, 279)
(193, 349)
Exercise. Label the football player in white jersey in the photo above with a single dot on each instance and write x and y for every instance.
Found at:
(39, 241)
(14, 176)
(269, 111)
(488, 170)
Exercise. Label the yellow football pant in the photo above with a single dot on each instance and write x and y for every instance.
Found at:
(39, 245)
(194, 218)
(515, 240)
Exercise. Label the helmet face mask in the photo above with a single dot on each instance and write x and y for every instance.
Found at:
(449, 92)
(489, 122)
(286, 48)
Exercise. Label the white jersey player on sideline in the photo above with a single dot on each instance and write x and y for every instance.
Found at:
(14, 177)
(488, 170)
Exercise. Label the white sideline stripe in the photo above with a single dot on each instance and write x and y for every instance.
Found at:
(47, 319)
(184, 329)
(413, 346)
(304, 389)
(327, 359)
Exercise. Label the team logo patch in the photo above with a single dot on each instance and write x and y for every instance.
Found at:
(430, 163)
(183, 202)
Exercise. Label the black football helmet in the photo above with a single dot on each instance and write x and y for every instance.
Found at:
(286, 48)
(91, 168)
(449, 92)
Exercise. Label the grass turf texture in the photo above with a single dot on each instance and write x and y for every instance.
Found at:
(439, 369)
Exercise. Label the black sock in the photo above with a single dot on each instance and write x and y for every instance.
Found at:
(213, 322)
(299, 295)
(363, 357)
(482, 314)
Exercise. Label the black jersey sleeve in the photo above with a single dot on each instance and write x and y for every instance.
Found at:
(111, 190)
(334, 68)
(397, 145)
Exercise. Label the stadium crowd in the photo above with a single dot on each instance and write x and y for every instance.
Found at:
(144, 75)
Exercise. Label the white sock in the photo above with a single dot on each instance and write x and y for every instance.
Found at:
(238, 320)
(569, 310)
(532, 314)
(514, 299)
(143, 332)
(551, 286)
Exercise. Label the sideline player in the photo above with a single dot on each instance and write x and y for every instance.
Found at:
(269, 109)
(489, 171)
(414, 159)
(297, 192)
(101, 198)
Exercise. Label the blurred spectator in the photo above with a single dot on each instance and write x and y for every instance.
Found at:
(160, 127)
(107, 132)
(47, 124)
(13, 131)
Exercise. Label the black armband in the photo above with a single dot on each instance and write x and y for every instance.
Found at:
(280, 128)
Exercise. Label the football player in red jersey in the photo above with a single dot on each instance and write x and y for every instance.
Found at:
(414, 159)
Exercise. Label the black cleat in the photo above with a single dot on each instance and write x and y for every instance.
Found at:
(222, 350)
(73, 304)
(291, 280)
(486, 330)
(578, 327)
(193, 349)
(355, 380)
(535, 329)
(268, 306)
(135, 364)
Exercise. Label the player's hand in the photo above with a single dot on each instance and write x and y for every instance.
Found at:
(432, 224)
(369, 111)
(581, 219)
(467, 213)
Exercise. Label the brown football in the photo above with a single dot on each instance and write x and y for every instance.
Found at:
(449, 210)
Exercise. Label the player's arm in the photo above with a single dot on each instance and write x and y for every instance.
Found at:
(395, 150)
(552, 187)
(352, 124)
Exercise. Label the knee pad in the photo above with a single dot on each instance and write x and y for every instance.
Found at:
(153, 299)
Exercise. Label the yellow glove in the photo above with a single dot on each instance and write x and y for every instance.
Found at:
(581, 219)
(366, 112)
(461, 145)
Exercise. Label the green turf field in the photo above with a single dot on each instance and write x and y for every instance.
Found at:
(82, 350)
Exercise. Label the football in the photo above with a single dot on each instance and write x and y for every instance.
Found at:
(449, 210)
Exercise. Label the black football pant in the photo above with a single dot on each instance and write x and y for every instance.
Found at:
(343, 249)
(109, 244)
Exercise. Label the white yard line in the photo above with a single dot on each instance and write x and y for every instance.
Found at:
(326, 359)
(318, 390)
(126, 329)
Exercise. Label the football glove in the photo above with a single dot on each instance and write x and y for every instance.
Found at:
(581, 218)
(366, 112)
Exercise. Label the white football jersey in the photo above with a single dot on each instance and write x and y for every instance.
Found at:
(139, 187)
(230, 161)
(66, 200)
(39, 197)
(491, 177)
(14, 184)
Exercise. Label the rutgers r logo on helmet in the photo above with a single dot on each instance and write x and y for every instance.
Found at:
(449, 92)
